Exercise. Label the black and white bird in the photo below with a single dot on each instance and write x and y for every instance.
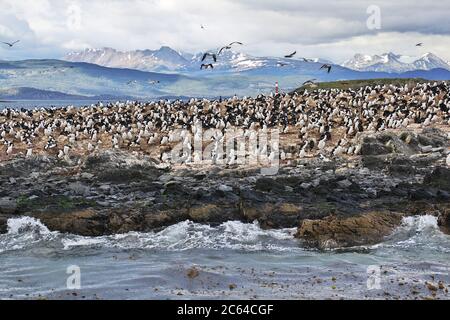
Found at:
(327, 67)
(228, 47)
(11, 44)
(206, 66)
(291, 55)
(419, 44)
(209, 54)
(309, 82)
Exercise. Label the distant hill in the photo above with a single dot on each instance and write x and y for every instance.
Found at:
(58, 78)
(355, 84)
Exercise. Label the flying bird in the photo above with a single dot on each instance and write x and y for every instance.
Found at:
(202, 26)
(10, 44)
(212, 55)
(326, 66)
(309, 82)
(281, 64)
(153, 81)
(206, 66)
(419, 44)
(291, 55)
(131, 82)
(228, 47)
(307, 60)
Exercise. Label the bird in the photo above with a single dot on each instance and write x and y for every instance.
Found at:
(228, 47)
(326, 66)
(206, 66)
(202, 26)
(447, 161)
(307, 60)
(11, 44)
(153, 81)
(291, 55)
(281, 64)
(419, 44)
(309, 82)
(208, 54)
(131, 82)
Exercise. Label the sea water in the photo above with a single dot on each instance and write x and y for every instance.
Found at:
(232, 261)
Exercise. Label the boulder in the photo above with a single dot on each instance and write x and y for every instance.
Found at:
(336, 232)
(8, 205)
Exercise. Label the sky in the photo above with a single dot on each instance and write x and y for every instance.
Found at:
(329, 29)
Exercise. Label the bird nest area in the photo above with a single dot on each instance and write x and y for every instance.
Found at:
(323, 122)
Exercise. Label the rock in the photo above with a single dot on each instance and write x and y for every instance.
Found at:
(426, 149)
(336, 232)
(192, 273)
(439, 178)
(8, 205)
(86, 175)
(225, 188)
(79, 189)
(344, 184)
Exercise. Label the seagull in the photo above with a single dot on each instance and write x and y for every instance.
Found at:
(202, 26)
(228, 47)
(310, 81)
(212, 55)
(326, 66)
(281, 64)
(307, 60)
(206, 66)
(419, 44)
(153, 81)
(131, 82)
(291, 55)
(10, 44)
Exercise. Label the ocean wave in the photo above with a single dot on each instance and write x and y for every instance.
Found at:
(26, 232)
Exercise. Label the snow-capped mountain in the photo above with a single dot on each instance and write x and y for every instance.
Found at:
(391, 62)
(168, 60)
(163, 59)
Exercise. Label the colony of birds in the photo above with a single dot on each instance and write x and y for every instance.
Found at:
(322, 123)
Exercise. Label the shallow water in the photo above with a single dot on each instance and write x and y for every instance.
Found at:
(234, 261)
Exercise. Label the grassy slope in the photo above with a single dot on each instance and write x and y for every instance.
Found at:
(355, 84)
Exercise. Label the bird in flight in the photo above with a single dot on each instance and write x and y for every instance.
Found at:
(206, 66)
(153, 81)
(202, 26)
(212, 55)
(307, 60)
(419, 44)
(228, 47)
(131, 82)
(309, 82)
(326, 66)
(291, 55)
(10, 44)
(281, 64)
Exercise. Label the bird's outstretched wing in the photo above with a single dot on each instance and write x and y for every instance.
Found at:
(204, 56)
(291, 55)
(236, 42)
(15, 42)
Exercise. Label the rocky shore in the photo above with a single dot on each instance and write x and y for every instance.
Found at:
(339, 202)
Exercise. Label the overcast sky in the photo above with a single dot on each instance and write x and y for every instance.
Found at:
(331, 29)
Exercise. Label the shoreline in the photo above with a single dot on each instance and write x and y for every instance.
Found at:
(336, 203)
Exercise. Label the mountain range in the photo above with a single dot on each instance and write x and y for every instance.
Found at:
(169, 73)
(391, 62)
(166, 59)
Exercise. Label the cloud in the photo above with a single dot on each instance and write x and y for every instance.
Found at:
(327, 28)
